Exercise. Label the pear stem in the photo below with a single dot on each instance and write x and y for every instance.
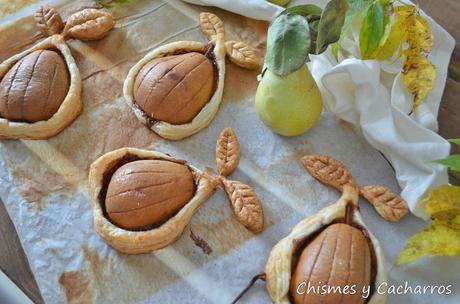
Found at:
(313, 18)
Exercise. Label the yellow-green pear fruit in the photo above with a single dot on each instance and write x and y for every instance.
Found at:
(289, 104)
(280, 2)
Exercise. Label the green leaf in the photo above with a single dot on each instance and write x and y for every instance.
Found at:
(335, 50)
(111, 3)
(313, 33)
(288, 44)
(304, 10)
(372, 30)
(310, 11)
(452, 162)
(455, 141)
(330, 24)
(356, 7)
(392, 39)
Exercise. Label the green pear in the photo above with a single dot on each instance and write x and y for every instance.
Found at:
(289, 104)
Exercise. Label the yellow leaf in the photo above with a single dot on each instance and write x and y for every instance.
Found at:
(437, 240)
(442, 238)
(405, 25)
(423, 36)
(405, 10)
(443, 203)
(418, 32)
(408, 34)
(393, 37)
(419, 76)
(408, 26)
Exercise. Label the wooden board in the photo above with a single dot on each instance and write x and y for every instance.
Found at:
(14, 262)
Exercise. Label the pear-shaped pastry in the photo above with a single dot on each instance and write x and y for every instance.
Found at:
(40, 88)
(176, 89)
(331, 256)
(142, 200)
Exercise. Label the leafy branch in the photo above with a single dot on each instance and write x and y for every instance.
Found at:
(389, 30)
(302, 30)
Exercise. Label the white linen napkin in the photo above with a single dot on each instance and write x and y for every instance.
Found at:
(370, 95)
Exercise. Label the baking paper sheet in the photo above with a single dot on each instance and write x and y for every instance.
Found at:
(43, 183)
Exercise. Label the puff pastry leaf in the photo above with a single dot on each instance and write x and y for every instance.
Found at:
(245, 205)
(227, 152)
(329, 171)
(211, 26)
(89, 24)
(389, 205)
(48, 20)
(242, 55)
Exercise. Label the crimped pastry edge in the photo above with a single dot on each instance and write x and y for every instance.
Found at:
(278, 267)
(207, 113)
(136, 242)
(67, 112)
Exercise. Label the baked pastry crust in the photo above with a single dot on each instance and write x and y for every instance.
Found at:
(136, 242)
(278, 267)
(207, 113)
(67, 112)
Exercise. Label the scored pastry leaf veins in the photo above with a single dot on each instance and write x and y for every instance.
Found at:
(243, 199)
(89, 24)
(332, 172)
(48, 20)
(242, 54)
(329, 171)
(227, 152)
(389, 205)
(245, 205)
(211, 26)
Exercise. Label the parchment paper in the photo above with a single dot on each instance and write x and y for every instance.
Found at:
(43, 183)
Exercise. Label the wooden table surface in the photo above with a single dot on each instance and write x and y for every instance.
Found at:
(14, 262)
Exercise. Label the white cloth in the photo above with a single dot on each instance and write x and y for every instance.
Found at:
(256, 9)
(371, 96)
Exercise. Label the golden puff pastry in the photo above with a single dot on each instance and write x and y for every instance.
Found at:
(279, 265)
(205, 115)
(142, 200)
(40, 88)
(176, 89)
(136, 242)
(69, 108)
